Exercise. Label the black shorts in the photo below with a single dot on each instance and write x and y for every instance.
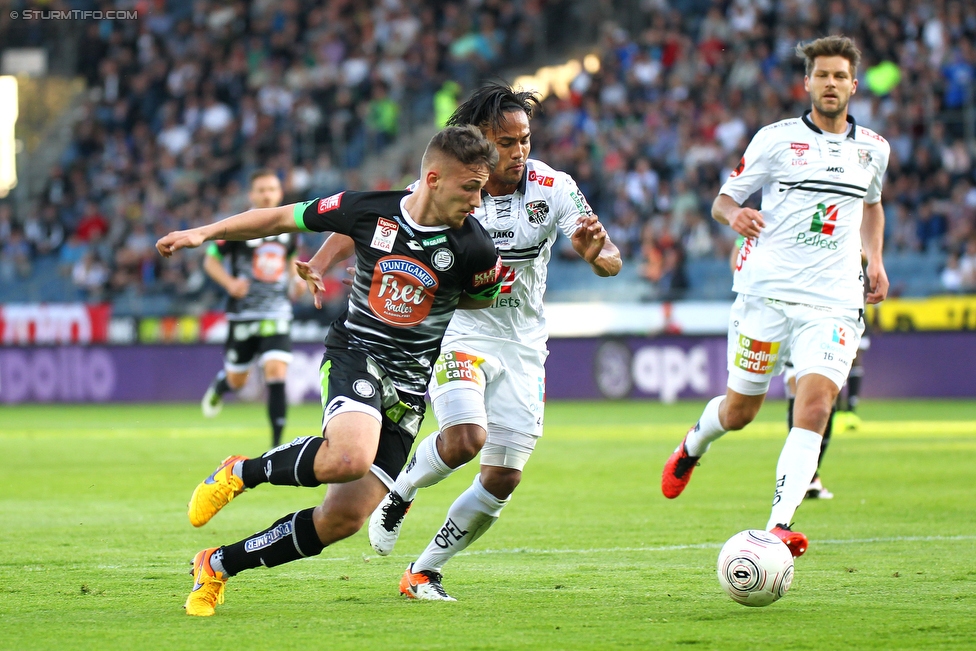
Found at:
(267, 338)
(351, 381)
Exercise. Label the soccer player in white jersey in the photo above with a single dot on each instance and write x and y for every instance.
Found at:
(488, 385)
(798, 277)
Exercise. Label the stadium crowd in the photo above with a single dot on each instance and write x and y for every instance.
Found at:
(183, 104)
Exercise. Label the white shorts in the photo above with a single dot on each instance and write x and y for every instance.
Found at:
(764, 333)
(497, 385)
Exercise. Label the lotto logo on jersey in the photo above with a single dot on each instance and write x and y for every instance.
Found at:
(546, 181)
(756, 356)
(385, 235)
(330, 203)
(457, 366)
(402, 291)
(840, 335)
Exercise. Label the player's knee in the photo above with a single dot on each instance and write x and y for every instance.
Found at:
(736, 419)
(463, 442)
(501, 482)
(236, 381)
(338, 466)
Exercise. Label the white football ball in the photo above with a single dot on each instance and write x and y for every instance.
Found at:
(755, 567)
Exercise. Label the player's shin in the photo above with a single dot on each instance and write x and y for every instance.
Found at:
(290, 538)
(708, 429)
(426, 468)
(794, 470)
(471, 515)
(291, 464)
(277, 410)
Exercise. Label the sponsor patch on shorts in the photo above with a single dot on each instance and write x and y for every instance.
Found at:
(455, 366)
(756, 356)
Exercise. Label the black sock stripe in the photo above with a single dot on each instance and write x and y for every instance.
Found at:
(298, 461)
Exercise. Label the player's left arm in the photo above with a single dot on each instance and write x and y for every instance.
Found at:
(872, 228)
(872, 241)
(593, 244)
(485, 282)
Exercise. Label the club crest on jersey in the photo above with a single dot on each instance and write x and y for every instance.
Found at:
(363, 388)
(864, 158)
(330, 203)
(442, 259)
(385, 235)
(402, 291)
(537, 211)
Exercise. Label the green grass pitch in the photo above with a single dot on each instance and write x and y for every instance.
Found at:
(95, 544)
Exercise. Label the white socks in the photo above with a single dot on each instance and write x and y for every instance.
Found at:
(709, 429)
(794, 470)
(471, 515)
(425, 469)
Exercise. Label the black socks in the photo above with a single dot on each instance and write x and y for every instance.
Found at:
(290, 538)
(291, 464)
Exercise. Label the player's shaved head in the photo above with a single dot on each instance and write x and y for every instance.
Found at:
(488, 105)
(461, 144)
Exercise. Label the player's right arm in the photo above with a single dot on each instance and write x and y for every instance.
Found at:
(752, 174)
(212, 264)
(259, 222)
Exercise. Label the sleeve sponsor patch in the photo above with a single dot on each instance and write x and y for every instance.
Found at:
(330, 203)
(488, 276)
(740, 168)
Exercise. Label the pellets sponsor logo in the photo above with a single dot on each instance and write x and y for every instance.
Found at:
(330, 203)
(402, 291)
(822, 224)
(756, 356)
(268, 538)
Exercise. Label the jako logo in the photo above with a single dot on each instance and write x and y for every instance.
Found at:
(835, 170)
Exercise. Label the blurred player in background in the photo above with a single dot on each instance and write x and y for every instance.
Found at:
(260, 279)
(798, 274)
(419, 258)
(488, 385)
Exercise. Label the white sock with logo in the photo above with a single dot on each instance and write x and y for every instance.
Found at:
(471, 515)
(794, 470)
(708, 429)
(426, 468)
